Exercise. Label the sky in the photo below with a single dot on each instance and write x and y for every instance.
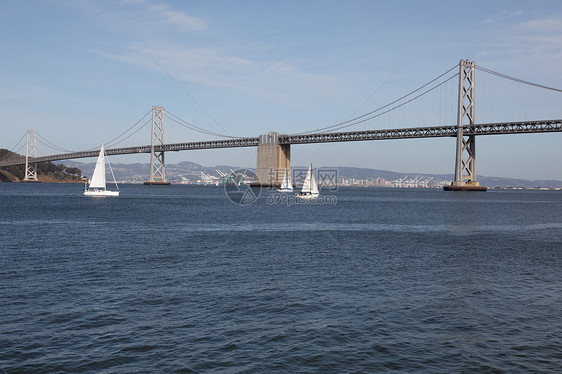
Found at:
(81, 73)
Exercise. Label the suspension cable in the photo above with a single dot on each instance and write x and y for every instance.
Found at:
(11, 152)
(516, 79)
(379, 88)
(397, 106)
(133, 133)
(47, 143)
(341, 124)
(114, 140)
(13, 155)
(186, 124)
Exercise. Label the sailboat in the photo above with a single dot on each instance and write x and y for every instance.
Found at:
(97, 183)
(309, 187)
(286, 185)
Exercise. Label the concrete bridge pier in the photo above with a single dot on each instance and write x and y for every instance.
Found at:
(273, 160)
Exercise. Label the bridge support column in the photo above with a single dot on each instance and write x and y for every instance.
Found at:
(465, 163)
(273, 160)
(157, 165)
(30, 151)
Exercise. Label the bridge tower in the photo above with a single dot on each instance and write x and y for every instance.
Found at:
(465, 163)
(157, 166)
(273, 160)
(30, 151)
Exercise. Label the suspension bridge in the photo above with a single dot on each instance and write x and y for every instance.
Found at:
(273, 149)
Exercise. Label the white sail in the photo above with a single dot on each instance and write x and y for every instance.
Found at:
(306, 184)
(284, 183)
(309, 186)
(97, 183)
(98, 179)
(313, 185)
(289, 182)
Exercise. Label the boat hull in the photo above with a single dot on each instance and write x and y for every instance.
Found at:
(284, 190)
(307, 196)
(100, 193)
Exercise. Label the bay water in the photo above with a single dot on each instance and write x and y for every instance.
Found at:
(181, 279)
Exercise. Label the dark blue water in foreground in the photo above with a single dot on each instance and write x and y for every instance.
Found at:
(180, 279)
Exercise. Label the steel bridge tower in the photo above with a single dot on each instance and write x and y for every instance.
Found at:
(30, 151)
(157, 166)
(465, 163)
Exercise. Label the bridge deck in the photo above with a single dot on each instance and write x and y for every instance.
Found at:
(426, 132)
(407, 133)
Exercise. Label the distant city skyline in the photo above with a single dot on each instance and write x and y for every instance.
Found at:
(81, 72)
(187, 172)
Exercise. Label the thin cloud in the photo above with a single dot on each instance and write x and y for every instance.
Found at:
(526, 42)
(544, 25)
(165, 15)
(541, 36)
(505, 15)
(138, 17)
(216, 67)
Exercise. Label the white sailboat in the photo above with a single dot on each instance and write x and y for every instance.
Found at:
(96, 185)
(309, 187)
(286, 185)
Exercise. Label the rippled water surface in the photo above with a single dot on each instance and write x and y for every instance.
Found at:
(180, 279)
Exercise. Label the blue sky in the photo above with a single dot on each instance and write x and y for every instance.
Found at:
(82, 72)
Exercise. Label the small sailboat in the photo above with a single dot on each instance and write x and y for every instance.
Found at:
(309, 187)
(96, 185)
(286, 185)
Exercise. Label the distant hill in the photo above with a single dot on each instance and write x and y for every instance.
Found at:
(189, 171)
(46, 171)
(138, 173)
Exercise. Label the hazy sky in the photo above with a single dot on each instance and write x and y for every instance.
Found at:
(82, 72)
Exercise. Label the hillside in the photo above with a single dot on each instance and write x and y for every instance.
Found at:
(188, 171)
(46, 171)
(191, 172)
